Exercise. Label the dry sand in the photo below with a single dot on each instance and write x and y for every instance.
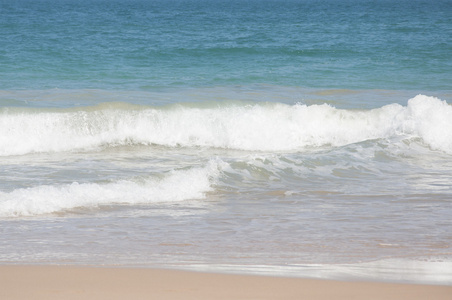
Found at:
(70, 282)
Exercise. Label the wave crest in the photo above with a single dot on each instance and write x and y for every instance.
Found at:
(178, 185)
(257, 127)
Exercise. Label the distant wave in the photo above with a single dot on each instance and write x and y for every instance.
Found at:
(178, 185)
(255, 127)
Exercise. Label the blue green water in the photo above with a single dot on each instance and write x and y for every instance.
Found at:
(283, 137)
(352, 44)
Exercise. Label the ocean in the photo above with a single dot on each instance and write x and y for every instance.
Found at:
(276, 137)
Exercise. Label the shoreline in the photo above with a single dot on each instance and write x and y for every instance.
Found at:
(81, 282)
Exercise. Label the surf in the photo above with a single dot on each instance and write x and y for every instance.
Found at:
(173, 186)
(240, 126)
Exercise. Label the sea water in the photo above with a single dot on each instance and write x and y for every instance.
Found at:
(283, 137)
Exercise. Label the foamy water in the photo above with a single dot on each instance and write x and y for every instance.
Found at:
(256, 127)
(291, 189)
(45, 199)
(299, 137)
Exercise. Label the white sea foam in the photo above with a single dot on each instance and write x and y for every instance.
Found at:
(177, 185)
(258, 127)
(386, 270)
(431, 119)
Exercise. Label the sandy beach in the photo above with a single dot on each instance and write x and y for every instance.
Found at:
(73, 282)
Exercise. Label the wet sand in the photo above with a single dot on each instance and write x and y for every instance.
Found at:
(74, 282)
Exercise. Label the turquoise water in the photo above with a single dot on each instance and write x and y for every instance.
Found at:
(301, 138)
(147, 45)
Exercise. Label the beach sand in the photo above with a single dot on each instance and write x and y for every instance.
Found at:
(73, 282)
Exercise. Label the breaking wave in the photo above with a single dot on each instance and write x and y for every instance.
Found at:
(255, 127)
(177, 185)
